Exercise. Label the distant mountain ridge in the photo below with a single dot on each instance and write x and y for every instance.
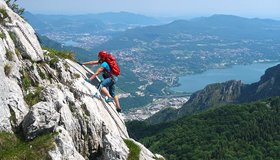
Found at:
(227, 27)
(230, 92)
(91, 23)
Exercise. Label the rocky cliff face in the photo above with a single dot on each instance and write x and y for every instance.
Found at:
(212, 95)
(268, 86)
(41, 93)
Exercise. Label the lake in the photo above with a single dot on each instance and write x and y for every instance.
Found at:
(246, 73)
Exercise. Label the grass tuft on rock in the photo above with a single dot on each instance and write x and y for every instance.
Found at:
(61, 54)
(13, 148)
(34, 97)
(13, 37)
(26, 81)
(3, 16)
(7, 69)
(134, 150)
(9, 55)
(2, 35)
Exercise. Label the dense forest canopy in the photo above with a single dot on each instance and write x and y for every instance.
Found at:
(244, 131)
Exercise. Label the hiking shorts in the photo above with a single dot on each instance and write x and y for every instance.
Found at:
(109, 83)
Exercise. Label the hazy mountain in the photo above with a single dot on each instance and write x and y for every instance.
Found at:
(234, 27)
(126, 18)
(87, 23)
(225, 27)
(107, 18)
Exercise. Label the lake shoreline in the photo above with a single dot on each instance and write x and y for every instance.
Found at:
(247, 73)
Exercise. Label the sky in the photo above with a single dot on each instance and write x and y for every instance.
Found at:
(158, 8)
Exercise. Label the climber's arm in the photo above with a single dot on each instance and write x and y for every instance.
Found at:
(91, 63)
(99, 70)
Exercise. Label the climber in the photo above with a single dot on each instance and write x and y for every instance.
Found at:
(110, 74)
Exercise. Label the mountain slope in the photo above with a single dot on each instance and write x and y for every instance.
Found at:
(245, 131)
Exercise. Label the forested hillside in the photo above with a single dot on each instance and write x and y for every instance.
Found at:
(245, 131)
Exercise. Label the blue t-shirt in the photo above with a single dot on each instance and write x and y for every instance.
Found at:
(106, 66)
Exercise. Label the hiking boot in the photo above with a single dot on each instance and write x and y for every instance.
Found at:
(109, 100)
(119, 110)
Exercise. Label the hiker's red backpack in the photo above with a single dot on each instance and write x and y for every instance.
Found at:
(111, 60)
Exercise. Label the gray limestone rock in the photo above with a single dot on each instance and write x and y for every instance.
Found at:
(12, 105)
(65, 148)
(87, 127)
(25, 38)
(42, 118)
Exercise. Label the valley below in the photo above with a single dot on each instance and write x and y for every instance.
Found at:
(157, 104)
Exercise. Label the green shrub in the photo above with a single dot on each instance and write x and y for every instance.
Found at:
(76, 75)
(134, 150)
(13, 118)
(53, 62)
(18, 52)
(41, 73)
(13, 37)
(4, 15)
(7, 69)
(2, 35)
(26, 81)
(33, 98)
(55, 55)
(64, 55)
(13, 148)
(9, 55)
